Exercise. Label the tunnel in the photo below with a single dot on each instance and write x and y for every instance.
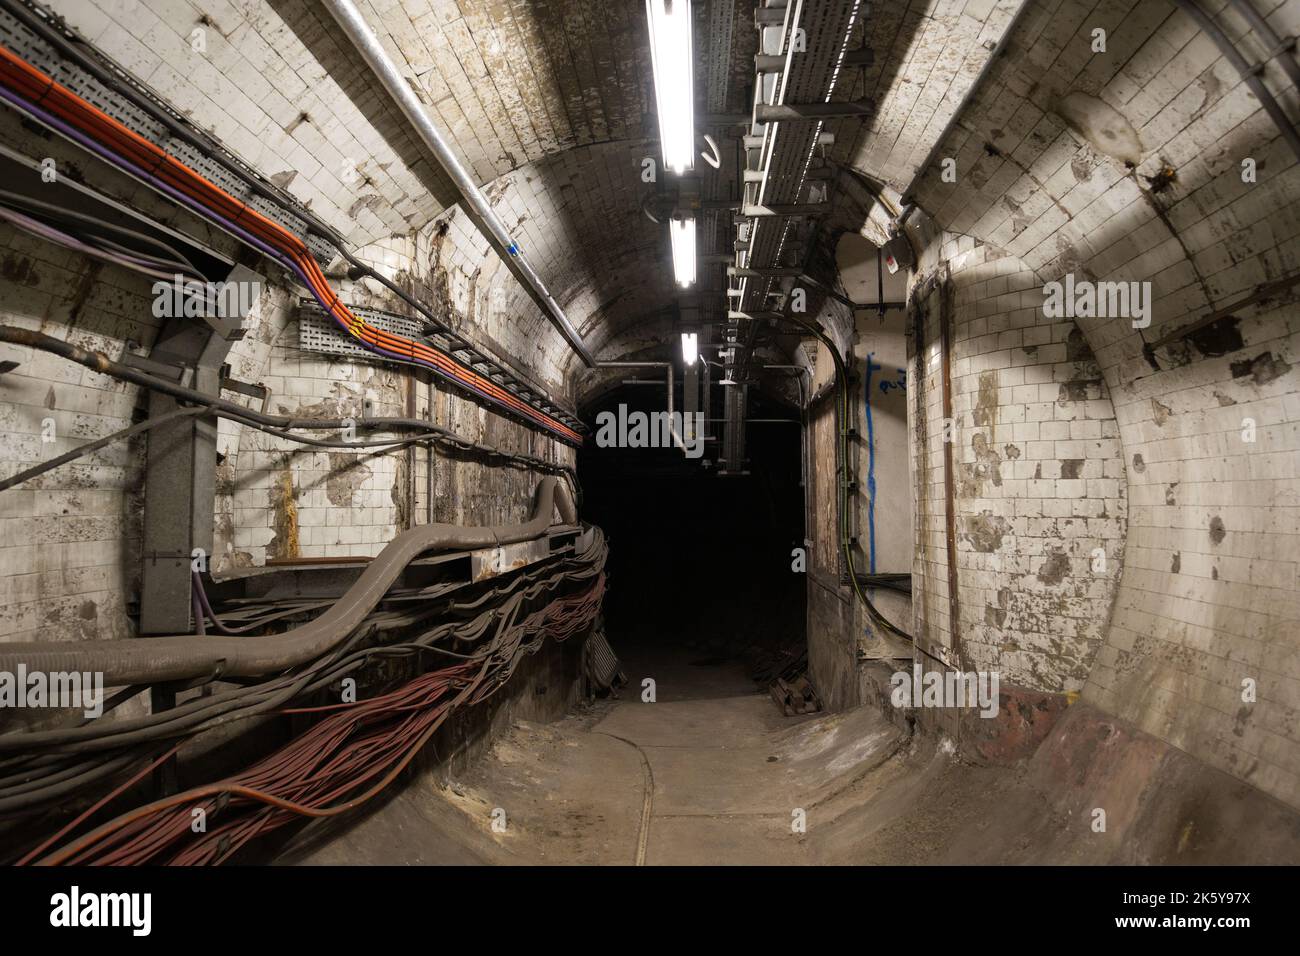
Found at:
(690, 433)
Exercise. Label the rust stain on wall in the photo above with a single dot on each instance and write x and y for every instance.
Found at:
(284, 510)
(825, 502)
(399, 494)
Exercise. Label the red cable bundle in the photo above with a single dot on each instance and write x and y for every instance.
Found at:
(347, 749)
(29, 83)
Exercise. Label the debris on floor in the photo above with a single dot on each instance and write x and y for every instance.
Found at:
(796, 696)
(766, 664)
(600, 663)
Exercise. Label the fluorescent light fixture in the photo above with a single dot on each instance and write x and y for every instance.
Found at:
(671, 56)
(690, 348)
(682, 232)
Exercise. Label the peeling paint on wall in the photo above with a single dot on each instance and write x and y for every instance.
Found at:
(1103, 127)
(347, 474)
(985, 531)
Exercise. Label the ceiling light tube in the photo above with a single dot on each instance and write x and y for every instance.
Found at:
(672, 59)
(682, 232)
(690, 348)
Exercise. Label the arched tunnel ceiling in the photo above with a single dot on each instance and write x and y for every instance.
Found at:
(577, 217)
(925, 57)
(1124, 166)
(552, 108)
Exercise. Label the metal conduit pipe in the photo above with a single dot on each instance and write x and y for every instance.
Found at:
(147, 660)
(475, 203)
(1248, 74)
(101, 363)
(1277, 48)
(672, 385)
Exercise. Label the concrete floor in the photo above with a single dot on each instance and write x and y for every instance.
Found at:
(712, 773)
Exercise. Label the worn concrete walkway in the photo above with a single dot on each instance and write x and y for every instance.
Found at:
(710, 772)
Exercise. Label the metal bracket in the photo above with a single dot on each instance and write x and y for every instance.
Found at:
(258, 391)
(180, 374)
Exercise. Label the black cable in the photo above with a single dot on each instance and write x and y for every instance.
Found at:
(360, 269)
(98, 443)
(29, 792)
(45, 29)
(203, 710)
(842, 390)
(274, 424)
(73, 217)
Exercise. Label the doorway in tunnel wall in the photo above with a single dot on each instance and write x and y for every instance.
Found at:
(883, 492)
(701, 564)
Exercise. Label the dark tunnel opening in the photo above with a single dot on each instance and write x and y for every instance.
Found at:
(680, 596)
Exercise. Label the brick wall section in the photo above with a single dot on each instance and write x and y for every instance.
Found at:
(260, 87)
(70, 539)
(1211, 592)
(926, 56)
(1033, 184)
(282, 500)
(1208, 593)
(1039, 496)
(291, 500)
(70, 558)
(282, 88)
(931, 618)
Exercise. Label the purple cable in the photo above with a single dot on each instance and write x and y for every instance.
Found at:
(204, 606)
(236, 230)
(50, 234)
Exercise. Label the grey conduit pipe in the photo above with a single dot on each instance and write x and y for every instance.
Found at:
(148, 660)
(475, 203)
(1248, 75)
(672, 386)
(1282, 51)
(101, 363)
